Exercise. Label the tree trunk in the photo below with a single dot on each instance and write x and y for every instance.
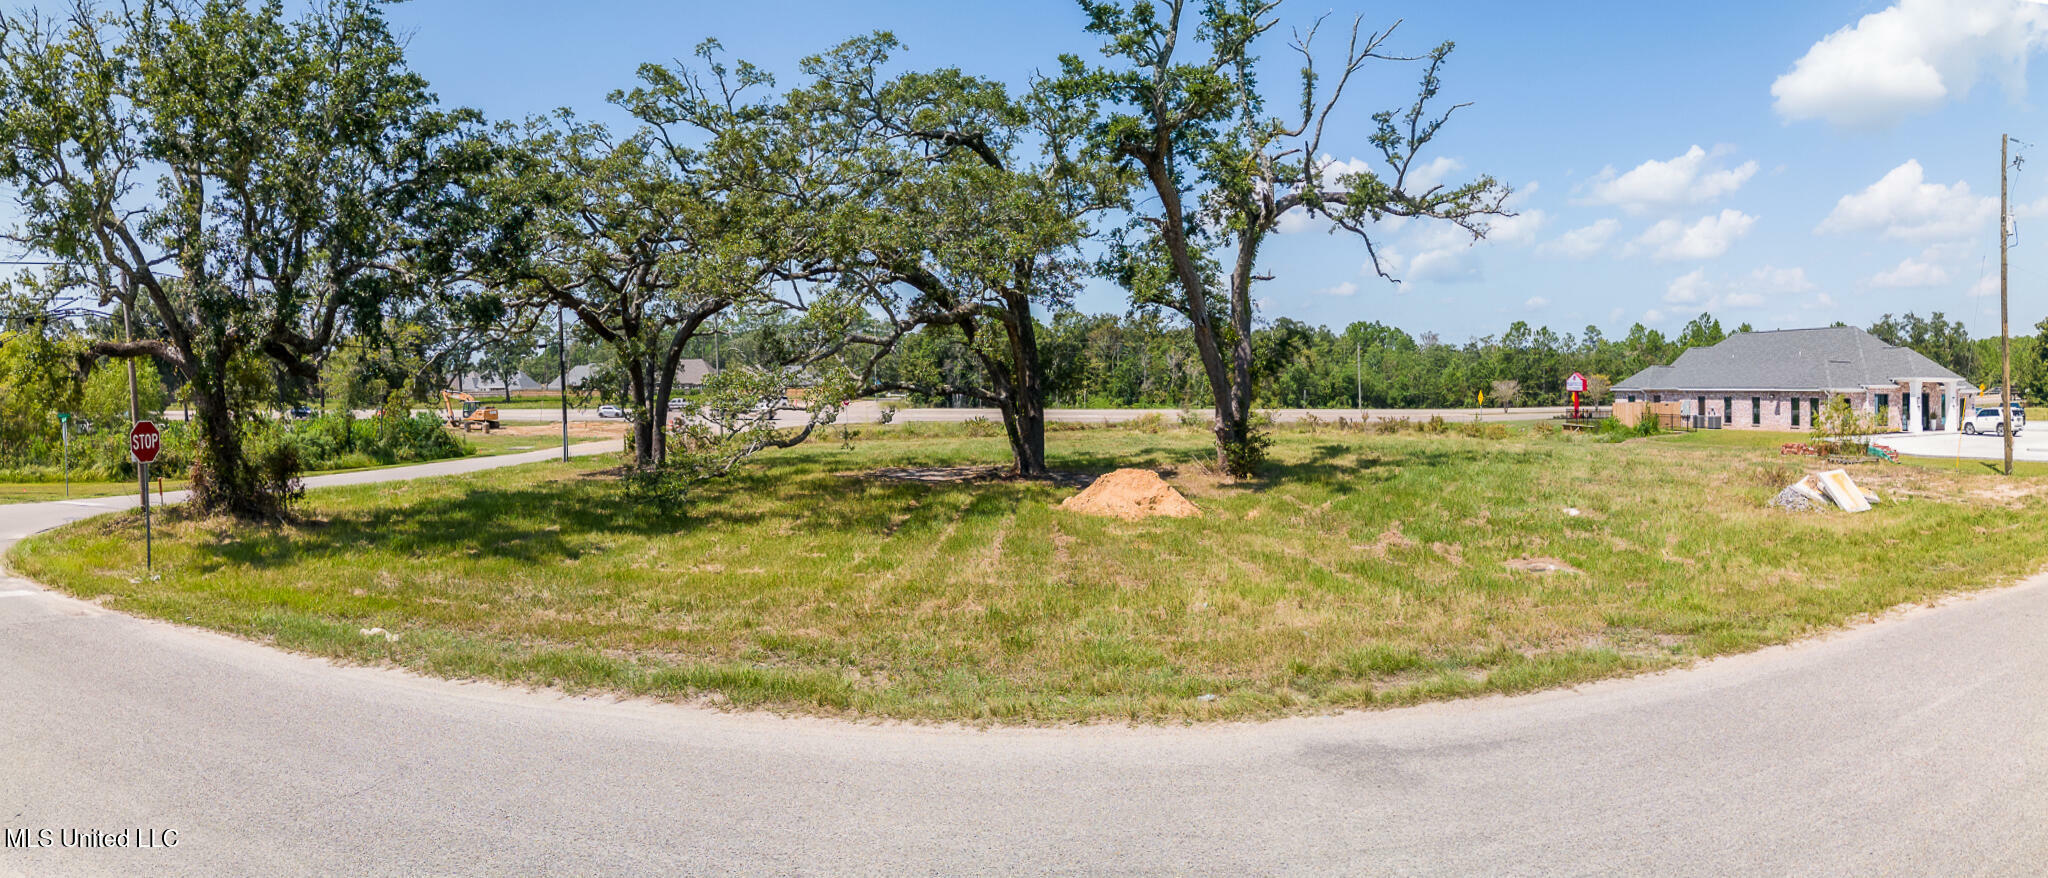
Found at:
(645, 436)
(223, 481)
(1023, 405)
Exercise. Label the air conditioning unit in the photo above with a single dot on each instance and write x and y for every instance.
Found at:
(1713, 422)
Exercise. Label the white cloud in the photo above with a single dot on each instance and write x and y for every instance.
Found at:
(1911, 273)
(1584, 241)
(1688, 289)
(1446, 255)
(1985, 286)
(1771, 279)
(1614, 316)
(1444, 265)
(1346, 288)
(1911, 57)
(1688, 179)
(1521, 228)
(1708, 237)
(1694, 289)
(1903, 205)
(1653, 316)
(1429, 174)
(1536, 303)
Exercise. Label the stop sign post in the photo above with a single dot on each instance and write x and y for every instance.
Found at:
(143, 443)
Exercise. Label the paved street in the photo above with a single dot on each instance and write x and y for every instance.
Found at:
(1918, 745)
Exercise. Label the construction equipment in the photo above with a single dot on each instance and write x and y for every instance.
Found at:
(473, 414)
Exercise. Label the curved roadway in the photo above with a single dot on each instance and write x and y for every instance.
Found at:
(1918, 745)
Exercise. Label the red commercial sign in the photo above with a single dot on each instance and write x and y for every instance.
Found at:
(1576, 383)
(143, 442)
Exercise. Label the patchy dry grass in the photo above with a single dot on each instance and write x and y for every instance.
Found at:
(1367, 570)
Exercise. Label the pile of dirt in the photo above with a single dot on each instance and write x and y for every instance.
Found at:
(1132, 494)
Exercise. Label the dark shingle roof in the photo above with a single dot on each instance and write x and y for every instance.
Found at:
(1835, 358)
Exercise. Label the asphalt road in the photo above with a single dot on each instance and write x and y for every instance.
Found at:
(1918, 745)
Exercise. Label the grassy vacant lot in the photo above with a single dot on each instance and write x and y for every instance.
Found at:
(1367, 570)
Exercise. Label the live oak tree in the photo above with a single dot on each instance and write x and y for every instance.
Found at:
(1219, 172)
(965, 211)
(254, 183)
(938, 201)
(642, 241)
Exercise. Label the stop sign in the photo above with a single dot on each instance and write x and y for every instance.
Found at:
(143, 442)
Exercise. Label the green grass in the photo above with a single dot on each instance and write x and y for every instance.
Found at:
(1365, 571)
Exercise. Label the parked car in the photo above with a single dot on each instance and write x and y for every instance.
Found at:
(301, 412)
(1990, 421)
(610, 411)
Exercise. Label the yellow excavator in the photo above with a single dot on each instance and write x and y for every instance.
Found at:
(473, 414)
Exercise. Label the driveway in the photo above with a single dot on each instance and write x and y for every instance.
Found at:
(1917, 745)
(2027, 444)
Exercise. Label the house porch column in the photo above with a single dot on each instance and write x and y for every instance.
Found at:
(1913, 407)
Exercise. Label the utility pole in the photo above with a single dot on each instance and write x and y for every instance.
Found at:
(2004, 319)
(128, 334)
(562, 360)
(1358, 373)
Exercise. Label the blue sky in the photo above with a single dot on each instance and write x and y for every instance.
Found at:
(1784, 164)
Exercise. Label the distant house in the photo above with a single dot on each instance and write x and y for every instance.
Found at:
(1780, 380)
(693, 372)
(475, 382)
(579, 378)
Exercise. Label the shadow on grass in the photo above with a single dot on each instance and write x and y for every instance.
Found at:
(557, 520)
(553, 520)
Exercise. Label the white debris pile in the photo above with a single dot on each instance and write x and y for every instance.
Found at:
(1818, 491)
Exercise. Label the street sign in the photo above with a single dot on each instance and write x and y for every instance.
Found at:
(143, 442)
(1576, 383)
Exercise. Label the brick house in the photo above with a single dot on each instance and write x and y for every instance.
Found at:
(1780, 380)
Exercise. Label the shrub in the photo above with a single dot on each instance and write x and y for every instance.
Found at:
(1149, 423)
(1613, 430)
(981, 427)
(1841, 429)
(1243, 459)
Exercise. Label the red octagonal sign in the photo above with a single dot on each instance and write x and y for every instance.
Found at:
(143, 442)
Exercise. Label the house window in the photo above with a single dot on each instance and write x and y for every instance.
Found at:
(1795, 413)
(1813, 410)
(1631, 397)
(1884, 404)
(1727, 408)
(1756, 411)
(1702, 412)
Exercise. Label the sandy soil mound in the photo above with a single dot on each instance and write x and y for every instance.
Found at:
(1132, 494)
